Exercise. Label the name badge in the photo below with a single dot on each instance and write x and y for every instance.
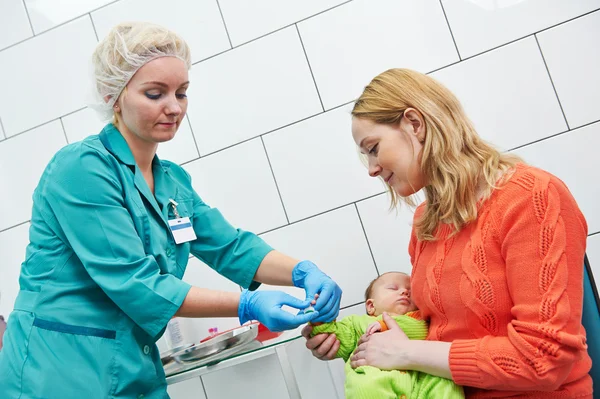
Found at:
(182, 230)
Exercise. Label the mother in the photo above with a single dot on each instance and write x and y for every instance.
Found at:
(497, 251)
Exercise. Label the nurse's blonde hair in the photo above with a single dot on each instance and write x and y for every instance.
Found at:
(127, 47)
(454, 160)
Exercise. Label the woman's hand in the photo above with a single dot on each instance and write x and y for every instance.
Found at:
(387, 350)
(322, 346)
(392, 350)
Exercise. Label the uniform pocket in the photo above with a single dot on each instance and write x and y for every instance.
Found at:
(66, 361)
(77, 330)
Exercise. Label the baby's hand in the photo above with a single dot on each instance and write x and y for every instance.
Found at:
(373, 328)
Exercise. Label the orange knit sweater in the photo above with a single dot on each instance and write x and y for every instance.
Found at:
(507, 292)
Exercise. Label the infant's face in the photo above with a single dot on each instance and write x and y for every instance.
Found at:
(391, 294)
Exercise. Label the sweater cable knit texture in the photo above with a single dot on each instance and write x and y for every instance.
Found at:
(507, 292)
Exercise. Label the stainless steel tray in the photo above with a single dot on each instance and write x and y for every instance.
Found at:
(235, 337)
(167, 357)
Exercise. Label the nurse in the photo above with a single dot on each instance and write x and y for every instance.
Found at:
(111, 232)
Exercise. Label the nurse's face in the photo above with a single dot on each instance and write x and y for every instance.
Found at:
(154, 102)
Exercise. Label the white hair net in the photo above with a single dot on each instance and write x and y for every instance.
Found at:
(128, 47)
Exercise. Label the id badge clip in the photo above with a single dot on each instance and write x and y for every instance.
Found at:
(181, 228)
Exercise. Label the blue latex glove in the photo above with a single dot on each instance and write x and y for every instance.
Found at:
(265, 306)
(308, 276)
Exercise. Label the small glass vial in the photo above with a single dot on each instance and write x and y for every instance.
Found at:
(174, 335)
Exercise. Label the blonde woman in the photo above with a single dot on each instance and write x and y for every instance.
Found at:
(497, 251)
(111, 233)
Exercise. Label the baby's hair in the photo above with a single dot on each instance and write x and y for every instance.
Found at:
(369, 290)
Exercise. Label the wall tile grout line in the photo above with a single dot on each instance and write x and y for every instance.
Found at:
(224, 24)
(2, 131)
(310, 68)
(275, 180)
(293, 23)
(353, 304)
(33, 128)
(302, 20)
(450, 29)
(551, 81)
(56, 26)
(29, 19)
(94, 26)
(187, 117)
(64, 130)
(267, 34)
(554, 135)
(510, 42)
(260, 135)
(271, 131)
(319, 214)
(203, 387)
(366, 238)
(12, 227)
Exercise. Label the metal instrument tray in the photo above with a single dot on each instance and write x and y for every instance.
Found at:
(235, 337)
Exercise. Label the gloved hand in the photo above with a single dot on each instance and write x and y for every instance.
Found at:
(265, 306)
(308, 276)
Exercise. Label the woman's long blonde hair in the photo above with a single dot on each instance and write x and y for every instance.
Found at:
(454, 160)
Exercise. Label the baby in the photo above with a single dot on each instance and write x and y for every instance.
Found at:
(388, 293)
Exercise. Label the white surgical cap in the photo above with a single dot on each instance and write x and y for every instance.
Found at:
(128, 47)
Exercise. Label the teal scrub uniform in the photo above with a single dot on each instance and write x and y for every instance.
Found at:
(102, 274)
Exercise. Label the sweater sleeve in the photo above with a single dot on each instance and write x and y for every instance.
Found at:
(348, 331)
(542, 238)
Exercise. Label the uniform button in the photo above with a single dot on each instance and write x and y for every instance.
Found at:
(146, 349)
(168, 251)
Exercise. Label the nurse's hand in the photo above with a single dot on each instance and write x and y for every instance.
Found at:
(265, 306)
(322, 346)
(308, 276)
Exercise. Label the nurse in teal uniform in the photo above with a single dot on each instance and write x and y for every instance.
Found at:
(111, 231)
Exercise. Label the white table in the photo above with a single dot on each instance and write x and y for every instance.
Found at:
(251, 352)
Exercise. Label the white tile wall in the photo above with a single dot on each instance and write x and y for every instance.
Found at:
(318, 156)
(388, 232)
(258, 379)
(247, 20)
(200, 24)
(336, 243)
(508, 94)
(201, 275)
(188, 389)
(22, 165)
(299, 59)
(46, 14)
(240, 184)
(347, 46)
(13, 243)
(14, 24)
(572, 52)
(312, 375)
(46, 77)
(80, 124)
(573, 158)
(251, 90)
(479, 25)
